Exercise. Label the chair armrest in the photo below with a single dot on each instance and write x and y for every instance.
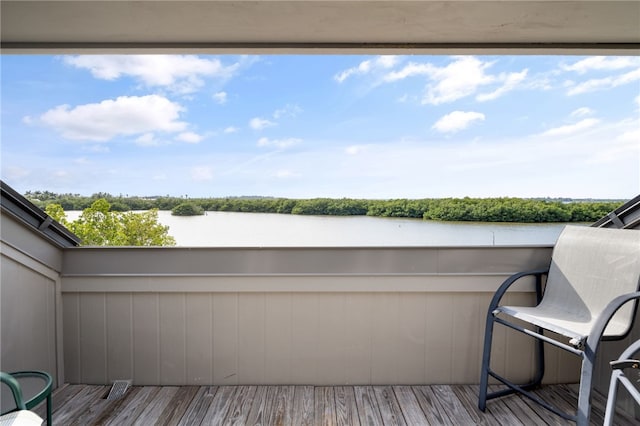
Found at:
(16, 390)
(538, 273)
(603, 320)
(44, 393)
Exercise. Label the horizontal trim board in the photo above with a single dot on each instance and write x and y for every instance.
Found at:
(293, 284)
(327, 48)
(28, 261)
(302, 261)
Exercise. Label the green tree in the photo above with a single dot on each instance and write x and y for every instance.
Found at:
(57, 213)
(187, 209)
(99, 226)
(143, 229)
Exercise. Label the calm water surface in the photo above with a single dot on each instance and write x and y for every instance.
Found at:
(224, 229)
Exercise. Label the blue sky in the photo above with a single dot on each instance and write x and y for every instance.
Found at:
(323, 126)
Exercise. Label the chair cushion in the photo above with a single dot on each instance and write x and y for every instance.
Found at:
(20, 418)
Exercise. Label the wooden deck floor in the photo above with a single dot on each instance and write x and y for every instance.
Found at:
(306, 405)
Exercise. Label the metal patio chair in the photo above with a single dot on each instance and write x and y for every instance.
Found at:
(22, 404)
(618, 376)
(594, 272)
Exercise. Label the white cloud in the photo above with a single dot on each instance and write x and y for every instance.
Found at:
(278, 143)
(258, 123)
(180, 73)
(189, 137)
(457, 80)
(125, 115)
(354, 149)
(571, 129)
(231, 129)
(148, 139)
(287, 111)
(202, 173)
(410, 70)
(220, 97)
(601, 63)
(604, 83)
(464, 76)
(582, 112)
(457, 120)
(368, 66)
(511, 81)
(28, 120)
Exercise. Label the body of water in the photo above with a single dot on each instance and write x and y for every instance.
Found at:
(225, 229)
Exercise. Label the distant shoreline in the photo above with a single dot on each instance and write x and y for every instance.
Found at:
(510, 210)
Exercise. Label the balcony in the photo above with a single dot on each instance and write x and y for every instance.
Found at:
(312, 332)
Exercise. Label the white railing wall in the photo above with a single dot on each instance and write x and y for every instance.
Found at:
(292, 315)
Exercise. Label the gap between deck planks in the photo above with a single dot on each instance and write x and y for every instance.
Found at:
(307, 405)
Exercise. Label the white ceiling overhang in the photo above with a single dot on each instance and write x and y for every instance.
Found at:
(337, 26)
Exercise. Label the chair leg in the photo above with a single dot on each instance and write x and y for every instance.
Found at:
(486, 368)
(586, 380)
(49, 409)
(486, 360)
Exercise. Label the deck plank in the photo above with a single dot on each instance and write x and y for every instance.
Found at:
(309, 405)
(60, 397)
(199, 405)
(431, 406)
(156, 405)
(78, 404)
(115, 407)
(325, 406)
(346, 409)
(409, 405)
(304, 406)
(468, 396)
(389, 407)
(220, 406)
(281, 412)
(177, 407)
(131, 408)
(241, 406)
(367, 404)
(452, 406)
(257, 414)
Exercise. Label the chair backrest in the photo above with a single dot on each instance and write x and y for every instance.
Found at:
(589, 268)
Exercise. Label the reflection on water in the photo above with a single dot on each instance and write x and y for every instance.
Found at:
(223, 229)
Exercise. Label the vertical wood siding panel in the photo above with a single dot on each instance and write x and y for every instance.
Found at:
(29, 322)
(251, 338)
(305, 318)
(225, 338)
(278, 329)
(411, 331)
(358, 325)
(71, 336)
(119, 329)
(146, 339)
(199, 339)
(385, 339)
(439, 312)
(93, 337)
(465, 362)
(172, 319)
(332, 343)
